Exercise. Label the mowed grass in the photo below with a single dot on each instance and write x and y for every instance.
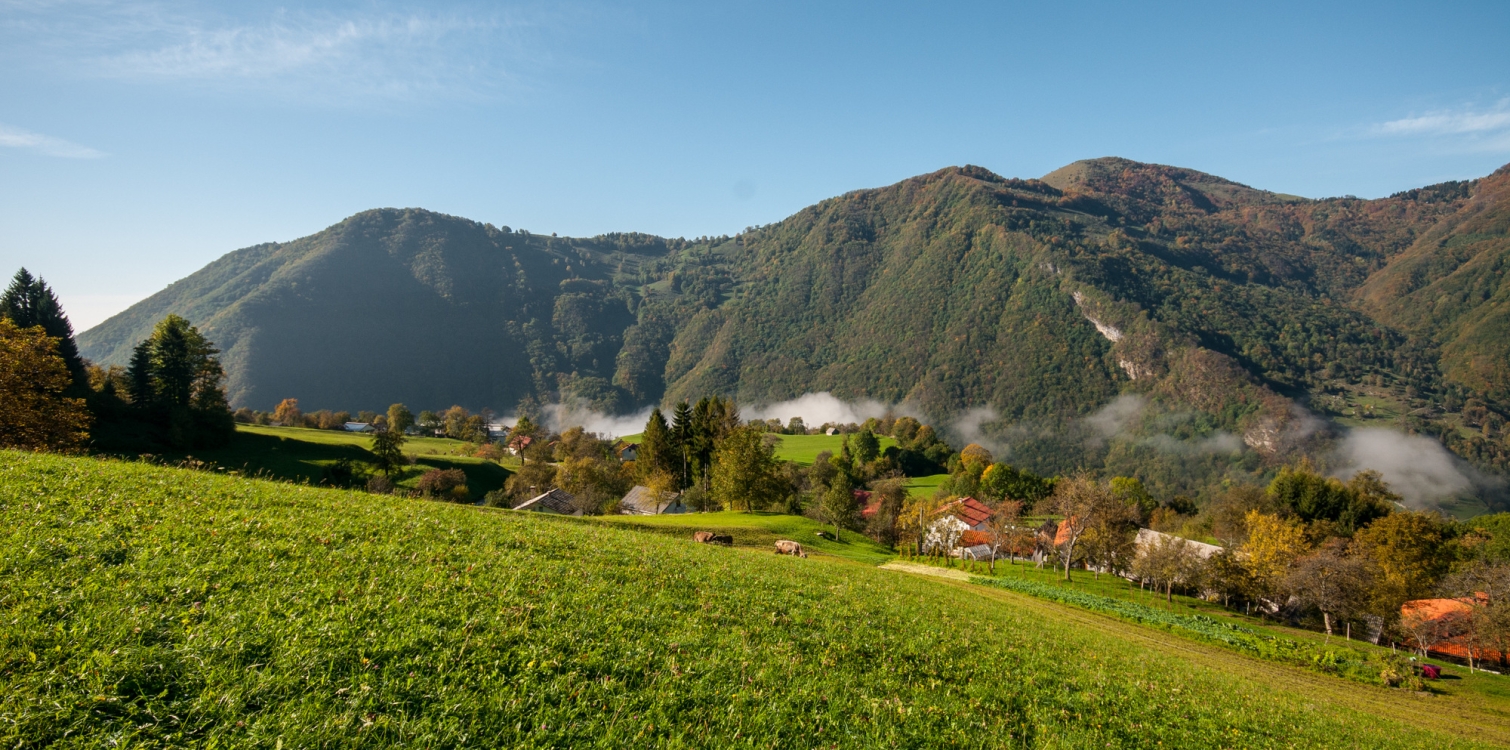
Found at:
(925, 486)
(144, 606)
(299, 454)
(760, 531)
(802, 449)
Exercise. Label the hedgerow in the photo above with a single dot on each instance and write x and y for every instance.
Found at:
(1343, 662)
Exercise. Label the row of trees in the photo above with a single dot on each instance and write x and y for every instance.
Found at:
(170, 395)
(1306, 546)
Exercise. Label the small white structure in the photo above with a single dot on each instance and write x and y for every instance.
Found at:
(555, 501)
(642, 501)
(626, 451)
(357, 427)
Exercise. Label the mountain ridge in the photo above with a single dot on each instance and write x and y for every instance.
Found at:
(1231, 308)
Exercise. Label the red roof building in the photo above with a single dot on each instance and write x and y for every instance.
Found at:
(1444, 622)
(971, 512)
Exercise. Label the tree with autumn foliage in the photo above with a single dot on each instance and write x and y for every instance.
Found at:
(35, 413)
(1273, 544)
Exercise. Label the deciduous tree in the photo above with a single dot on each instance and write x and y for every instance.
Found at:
(1273, 544)
(1329, 581)
(388, 447)
(287, 413)
(34, 412)
(744, 475)
(400, 419)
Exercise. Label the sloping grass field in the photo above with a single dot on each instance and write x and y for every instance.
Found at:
(300, 454)
(759, 531)
(142, 606)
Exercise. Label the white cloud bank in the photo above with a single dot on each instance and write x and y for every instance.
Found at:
(11, 137)
(1419, 468)
(820, 408)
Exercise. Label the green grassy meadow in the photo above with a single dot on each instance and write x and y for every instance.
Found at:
(924, 486)
(299, 454)
(146, 606)
(759, 530)
(802, 449)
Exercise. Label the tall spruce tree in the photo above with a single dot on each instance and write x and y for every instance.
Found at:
(681, 440)
(657, 455)
(28, 302)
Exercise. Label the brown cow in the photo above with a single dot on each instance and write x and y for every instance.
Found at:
(788, 547)
(708, 537)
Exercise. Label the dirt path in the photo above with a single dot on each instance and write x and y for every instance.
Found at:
(1433, 712)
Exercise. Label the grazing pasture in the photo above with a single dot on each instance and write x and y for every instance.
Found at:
(804, 449)
(300, 454)
(149, 606)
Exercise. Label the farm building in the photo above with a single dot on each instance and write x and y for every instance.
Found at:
(626, 451)
(518, 443)
(357, 427)
(643, 501)
(1440, 625)
(956, 519)
(555, 501)
(1149, 537)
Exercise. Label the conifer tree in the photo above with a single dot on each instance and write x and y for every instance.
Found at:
(656, 451)
(681, 440)
(28, 302)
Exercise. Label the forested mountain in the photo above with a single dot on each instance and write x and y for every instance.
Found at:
(1223, 316)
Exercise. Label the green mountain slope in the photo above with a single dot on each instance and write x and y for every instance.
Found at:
(1226, 310)
(394, 305)
(1450, 287)
(148, 606)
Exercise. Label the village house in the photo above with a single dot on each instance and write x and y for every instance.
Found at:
(518, 443)
(625, 450)
(958, 519)
(555, 501)
(643, 501)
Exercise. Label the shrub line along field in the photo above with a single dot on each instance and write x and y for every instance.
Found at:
(149, 606)
(1476, 722)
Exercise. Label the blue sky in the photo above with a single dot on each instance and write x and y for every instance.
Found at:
(140, 141)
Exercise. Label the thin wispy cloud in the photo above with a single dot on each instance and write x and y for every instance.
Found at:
(45, 144)
(1467, 127)
(373, 55)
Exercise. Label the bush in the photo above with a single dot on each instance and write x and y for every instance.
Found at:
(380, 485)
(443, 483)
(497, 499)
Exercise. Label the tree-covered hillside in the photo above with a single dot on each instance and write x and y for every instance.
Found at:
(1221, 316)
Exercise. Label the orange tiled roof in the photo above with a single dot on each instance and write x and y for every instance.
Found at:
(969, 510)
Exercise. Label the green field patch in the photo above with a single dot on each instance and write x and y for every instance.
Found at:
(760, 530)
(924, 486)
(298, 454)
(801, 449)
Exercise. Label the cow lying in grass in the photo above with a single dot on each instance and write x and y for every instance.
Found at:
(708, 537)
(788, 547)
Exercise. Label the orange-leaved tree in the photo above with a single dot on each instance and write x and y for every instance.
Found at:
(33, 409)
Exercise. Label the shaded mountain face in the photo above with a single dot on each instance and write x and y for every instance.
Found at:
(1225, 315)
(402, 305)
